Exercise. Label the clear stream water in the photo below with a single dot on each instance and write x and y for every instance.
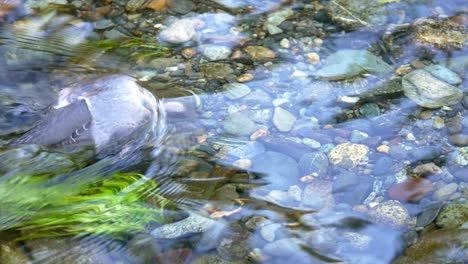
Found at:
(305, 150)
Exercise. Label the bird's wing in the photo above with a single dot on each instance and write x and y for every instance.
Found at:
(63, 126)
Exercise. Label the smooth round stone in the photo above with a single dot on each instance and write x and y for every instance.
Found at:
(215, 52)
(103, 24)
(280, 167)
(428, 215)
(180, 31)
(358, 136)
(370, 110)
(352, 189)
(311, 143)
(444, 74)
(268, 232)
(239, 124)
(391, 213)
(426, 90)
(348, 155)
(444, 192)
(315, 162)
(461, 173)
(382, 166)
(181, 6)
(459, 139)
(236, 90)
(191, 225)
(283, 119)
(260, 53)
(248, 150)
(426, 153)
(283, 247)
(258, 97)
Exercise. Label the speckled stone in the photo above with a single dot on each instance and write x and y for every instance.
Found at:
(391, 213)
(348, 155)
(453, 215)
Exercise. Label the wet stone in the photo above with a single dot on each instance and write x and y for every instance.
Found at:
(444, 74)
(260, 53)
(216, 70)
(352, 189)
(249, 150)
(234, 245)
(348, 155)
(11, 254)
(438, 246)
(355, 14)
(453, 215)
(181, 6)
(411, 190)
(426, 90)
(358, 136)
(258, 97)
(215, 52)
(369, 110)
(268, 231)
(283, 119)
(459, 139)
(382, 166)
(461, 173)
(180, 31)
(428, 215)
(391, 213)
(236, 90)
(318, 195)
(444, 192)
(239, 124)
(193, 224)
(348, 63)
(426, 153)
(210, 259)
(315, 162)
(283, 247)
(280, 168)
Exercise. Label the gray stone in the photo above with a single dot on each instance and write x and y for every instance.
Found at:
(258, 97)
(354, 14)
(444, 74)
(318, 195)
(181, 6)
(114, 34)
(103, 24)
(277, 18)
(426, 90)
(180, 31)
(193, 224)
(215, 52)
(348, 63)
(249, 150)
(428, 215)
(444, 192)
(280, 169)
(268, 231)
(236, 90)
(358, 136)
(369, 110)
(239, 124)
(283, 247)
(283, 119)
(315, 162)
(352, 189)
(382, 166)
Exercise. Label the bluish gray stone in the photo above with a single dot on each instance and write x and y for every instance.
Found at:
(444, 74)
(315, 162)
(239, 124)
(248, 150)
(278, 168)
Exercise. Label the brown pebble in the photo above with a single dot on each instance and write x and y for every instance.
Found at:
(313, 58)
(425, 114)
(403, 69)
(188, 53)
(157, 5)
(246, 77)
(427, 169)
(411, 190)
(383, 148)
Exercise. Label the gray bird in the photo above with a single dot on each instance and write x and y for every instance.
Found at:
(106, 113)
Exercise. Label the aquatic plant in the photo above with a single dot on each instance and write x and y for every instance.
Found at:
(112, 207)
